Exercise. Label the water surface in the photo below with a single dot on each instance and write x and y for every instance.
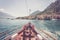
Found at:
(12, 26)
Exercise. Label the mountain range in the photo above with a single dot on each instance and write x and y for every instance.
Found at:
(52, 8)
(5, 15)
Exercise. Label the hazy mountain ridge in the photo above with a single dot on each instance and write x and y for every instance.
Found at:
(35, 13)
(5, 15)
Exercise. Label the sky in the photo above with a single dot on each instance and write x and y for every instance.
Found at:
(21, 7)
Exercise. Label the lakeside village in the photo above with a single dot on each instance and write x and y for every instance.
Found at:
(41, 17)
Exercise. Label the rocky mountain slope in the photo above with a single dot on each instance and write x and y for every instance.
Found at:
(52, 8)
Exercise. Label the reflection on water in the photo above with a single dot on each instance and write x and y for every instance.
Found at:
(12, 26)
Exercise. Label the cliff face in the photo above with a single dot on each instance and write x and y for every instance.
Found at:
(57, 6)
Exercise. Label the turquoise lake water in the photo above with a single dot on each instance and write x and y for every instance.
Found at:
(12, 26)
